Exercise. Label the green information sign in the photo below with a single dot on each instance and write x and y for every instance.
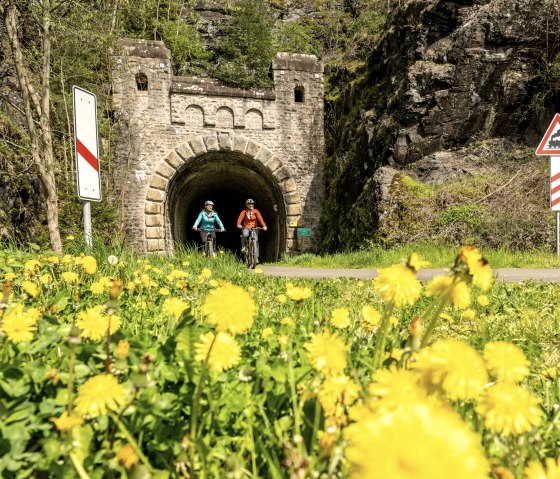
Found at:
(304, 232)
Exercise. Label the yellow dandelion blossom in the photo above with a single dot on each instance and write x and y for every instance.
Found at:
(478, 267)
(298, 294)
(92, 323)
(19, 324)
(459, 292)
(452, 368)
(327, 352)
(213, 283)
(506, 362)
(535, 469)
(97, 288)
(416, 263)
(287, 321)
(398, 284)
(70, 237)
(67, 259)
(483, 300)
(509, 409)
(65, 422)
(127, 456)
(70, 277)
(266, 332)
(417, 442)
(206, 273)
(114, 322)
(186, 264)
(30, 288)
(251, 289)
(282, 298)
(230, 308)
(98, 394)
(393, 388)
(31, 266)
(225, 353)
(9, 277)
(122, 349)
(550, 374)
(163, 291)
(45, 278)
(337, 390)
(283, 340)
(89, 264)
(340, 318)
(371, 317)
(468, 315)
(53, 259)
(174, 307)
(447, 317)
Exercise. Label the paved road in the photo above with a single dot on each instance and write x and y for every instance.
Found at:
(510, 275)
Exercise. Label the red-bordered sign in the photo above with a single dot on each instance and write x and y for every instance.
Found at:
(86, 144)
(550, 144)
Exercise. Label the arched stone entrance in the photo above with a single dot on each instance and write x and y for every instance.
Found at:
(227, 169)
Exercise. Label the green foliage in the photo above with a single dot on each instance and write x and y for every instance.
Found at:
(245, 49)
(298, 38)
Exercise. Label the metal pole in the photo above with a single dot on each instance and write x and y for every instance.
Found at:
(87, 222)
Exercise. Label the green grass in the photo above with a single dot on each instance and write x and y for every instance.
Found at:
(439, 256)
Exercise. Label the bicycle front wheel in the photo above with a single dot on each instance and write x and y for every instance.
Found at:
(251, 255)
(209, 248)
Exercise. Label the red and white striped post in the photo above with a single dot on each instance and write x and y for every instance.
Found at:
(550, 146)
(87, 153)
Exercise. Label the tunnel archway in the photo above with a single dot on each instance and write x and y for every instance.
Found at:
(227, 178)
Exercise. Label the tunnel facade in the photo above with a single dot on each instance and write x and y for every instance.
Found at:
(186, 140)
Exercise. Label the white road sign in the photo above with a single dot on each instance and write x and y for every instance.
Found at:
(86, 144)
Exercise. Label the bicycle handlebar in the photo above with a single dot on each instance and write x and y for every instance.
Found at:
(209, 231)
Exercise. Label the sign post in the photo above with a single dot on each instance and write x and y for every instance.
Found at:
(550, 146)
(86, 147)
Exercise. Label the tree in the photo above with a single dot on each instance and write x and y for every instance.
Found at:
(35, 88)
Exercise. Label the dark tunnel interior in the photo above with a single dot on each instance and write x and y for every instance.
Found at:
(228, 179)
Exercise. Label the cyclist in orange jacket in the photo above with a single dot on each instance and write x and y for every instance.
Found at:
(247, 219)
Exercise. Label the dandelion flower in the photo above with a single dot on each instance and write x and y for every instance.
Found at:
(230, 308)
(70, 237)
(416, 263)
(53, 259)
(163, 291)
(45, 278)
(506, 362)
(340, 318)
(459, 292)
(213, 283)
(337, 390)
(298, 294)
(65, 422)
(70, 277)
(174, 307)
(93, 325)
(97, 288)
(509, 409)
(225, 353)
(468, 315)
(418, 442)
(398, 284)
(30, 288)
(483, 300)
(206, 273)
(478, 267)
(98, 394)
(452, 368)
(282, 298)
(266, 332)
(127, 456)
(327, 352)
(535, 469)
(123, 348)
(19, 324)
(89, 264)
(31, 266)
(392, 388)
(371, 317)
(112, 260)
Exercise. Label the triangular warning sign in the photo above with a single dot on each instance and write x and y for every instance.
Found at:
(550, 144)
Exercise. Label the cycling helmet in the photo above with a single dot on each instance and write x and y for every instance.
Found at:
(250, 201)
(208, 203)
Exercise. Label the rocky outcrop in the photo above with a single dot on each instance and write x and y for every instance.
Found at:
(445, 73)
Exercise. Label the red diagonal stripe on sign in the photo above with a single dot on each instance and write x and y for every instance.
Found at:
(87, 155)
(555, 177)
(555, 189)
(555, 201)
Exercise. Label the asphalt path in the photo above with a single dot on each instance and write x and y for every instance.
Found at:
(508, 275)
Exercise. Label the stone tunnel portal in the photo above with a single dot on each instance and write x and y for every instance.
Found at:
(227, 178)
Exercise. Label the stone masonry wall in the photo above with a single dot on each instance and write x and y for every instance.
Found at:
(177, 119)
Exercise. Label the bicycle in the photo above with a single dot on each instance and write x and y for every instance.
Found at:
(251, 254)
(209, 243)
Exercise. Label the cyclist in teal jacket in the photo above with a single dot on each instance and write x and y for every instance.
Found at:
(208, 219)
